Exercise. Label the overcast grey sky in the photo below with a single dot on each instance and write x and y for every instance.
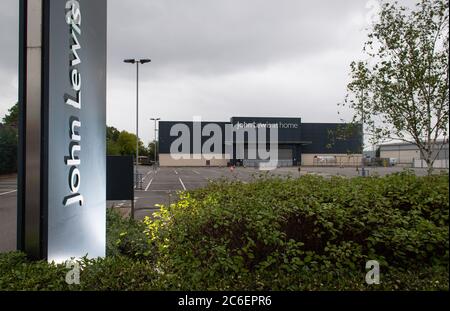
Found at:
(219, 58)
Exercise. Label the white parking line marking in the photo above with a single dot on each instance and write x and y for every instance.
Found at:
(166, 191)
(176, 173)
(145, 177)
(9, 192)
(148, 186)
(182, 184)
(196, 172)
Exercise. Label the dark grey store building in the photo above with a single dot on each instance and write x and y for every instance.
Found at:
(298, 143)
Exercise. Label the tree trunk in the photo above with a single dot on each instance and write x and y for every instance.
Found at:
(430, 167)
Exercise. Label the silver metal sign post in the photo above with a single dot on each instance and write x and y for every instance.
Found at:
(62, 123)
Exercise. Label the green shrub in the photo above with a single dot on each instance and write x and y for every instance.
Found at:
(119, 273)
(17, 274)
(111, 273)
(310, 233)
(126, 237)
(232, 235)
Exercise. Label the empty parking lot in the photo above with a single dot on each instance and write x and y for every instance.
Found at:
(161, 186)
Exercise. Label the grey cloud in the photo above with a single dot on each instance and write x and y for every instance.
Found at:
(213, 37)
(218, 58)
(9, 40)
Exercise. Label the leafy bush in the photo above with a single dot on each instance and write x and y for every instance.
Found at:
(112, 273)
(232, 235)
(310, 233)
(17, 273)
(126, 237)
(119, 273)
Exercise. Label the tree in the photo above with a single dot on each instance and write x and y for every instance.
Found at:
(8, 141)
(112, 133)
(12, 118)
(151, 151)
(401, 91)
(112, 148)
(8, 149)
(127, 143)
(123, 143)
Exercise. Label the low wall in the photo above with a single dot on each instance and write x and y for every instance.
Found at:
(221, 161)
(191, 161)
(331, 160)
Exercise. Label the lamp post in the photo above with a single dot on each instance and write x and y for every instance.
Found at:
(156, 148)
(137, 62)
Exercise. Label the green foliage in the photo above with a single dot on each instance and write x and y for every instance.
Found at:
(8, 141)
(401, 91)
(8, 149)
(253, 236)
(127, 266)
(17, 273)
(12, 118)
(119, 273)
(127, 143)
(126, 237)
(310, 233)
(112, 135)
(112, 148)
(123, 143)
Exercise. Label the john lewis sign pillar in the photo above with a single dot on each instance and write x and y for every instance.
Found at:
(62, 162)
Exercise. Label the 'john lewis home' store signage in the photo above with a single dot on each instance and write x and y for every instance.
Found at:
(62, 178)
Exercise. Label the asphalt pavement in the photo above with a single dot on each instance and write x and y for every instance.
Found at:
(8, 213)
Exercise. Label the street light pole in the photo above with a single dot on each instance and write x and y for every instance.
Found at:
(137, 62)
(137, 125)
(155, 142)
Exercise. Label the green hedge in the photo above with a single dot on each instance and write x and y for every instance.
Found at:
(126, 267)
(307, 233)
(310, 233)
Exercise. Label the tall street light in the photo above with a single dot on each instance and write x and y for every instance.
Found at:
(156, 120)
(137, 62)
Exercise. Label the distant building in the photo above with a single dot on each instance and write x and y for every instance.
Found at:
(409, 154)
(298, 143)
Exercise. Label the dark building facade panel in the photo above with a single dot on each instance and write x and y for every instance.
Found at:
(321, 138)
(165, 140)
